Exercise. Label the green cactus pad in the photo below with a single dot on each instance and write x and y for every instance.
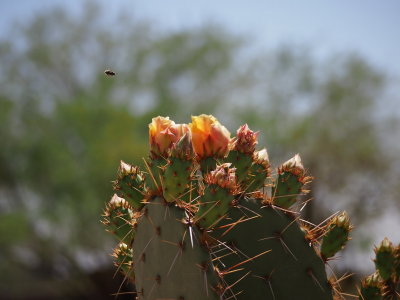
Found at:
(124, 260)
(242, 163)
(291, 270)
(214, 204)
(385, 259)
(119, 219)
(371, 288)
(336, 236)
(176, 178)
(289, 184)
(154, 169)
(256, 178)
(287, 188)
(130, 185)
(166, 264)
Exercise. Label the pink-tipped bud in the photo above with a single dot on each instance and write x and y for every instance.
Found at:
(125, 169)
(294, 166)
(246, 140)
(116, 202)
(261, 157)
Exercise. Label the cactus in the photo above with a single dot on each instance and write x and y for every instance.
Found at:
(206, 219)
(384, 284)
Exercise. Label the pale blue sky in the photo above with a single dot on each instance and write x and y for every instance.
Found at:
(371, 28)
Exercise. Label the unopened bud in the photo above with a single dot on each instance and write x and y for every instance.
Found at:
(246, 140)
(294, 166)
(261, 157)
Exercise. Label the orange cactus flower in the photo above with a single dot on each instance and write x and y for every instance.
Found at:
(209, 137)
(164, 133)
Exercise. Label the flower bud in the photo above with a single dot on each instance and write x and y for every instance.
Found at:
(261, 157)
(294, 166)
(246, 140)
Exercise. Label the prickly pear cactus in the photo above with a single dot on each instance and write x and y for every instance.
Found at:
(208, 218)
(384, 284)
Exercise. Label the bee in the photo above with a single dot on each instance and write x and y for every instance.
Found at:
(110, 72)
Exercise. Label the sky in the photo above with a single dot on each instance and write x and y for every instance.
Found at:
(368, 27)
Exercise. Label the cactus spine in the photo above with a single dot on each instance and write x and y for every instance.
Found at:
(207, 220)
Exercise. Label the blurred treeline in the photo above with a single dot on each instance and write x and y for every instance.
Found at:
(64, 127)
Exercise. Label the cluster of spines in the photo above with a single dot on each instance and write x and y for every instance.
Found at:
(384, 284)
(207, 175)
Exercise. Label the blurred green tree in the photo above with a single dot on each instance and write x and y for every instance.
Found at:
(65, 126)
